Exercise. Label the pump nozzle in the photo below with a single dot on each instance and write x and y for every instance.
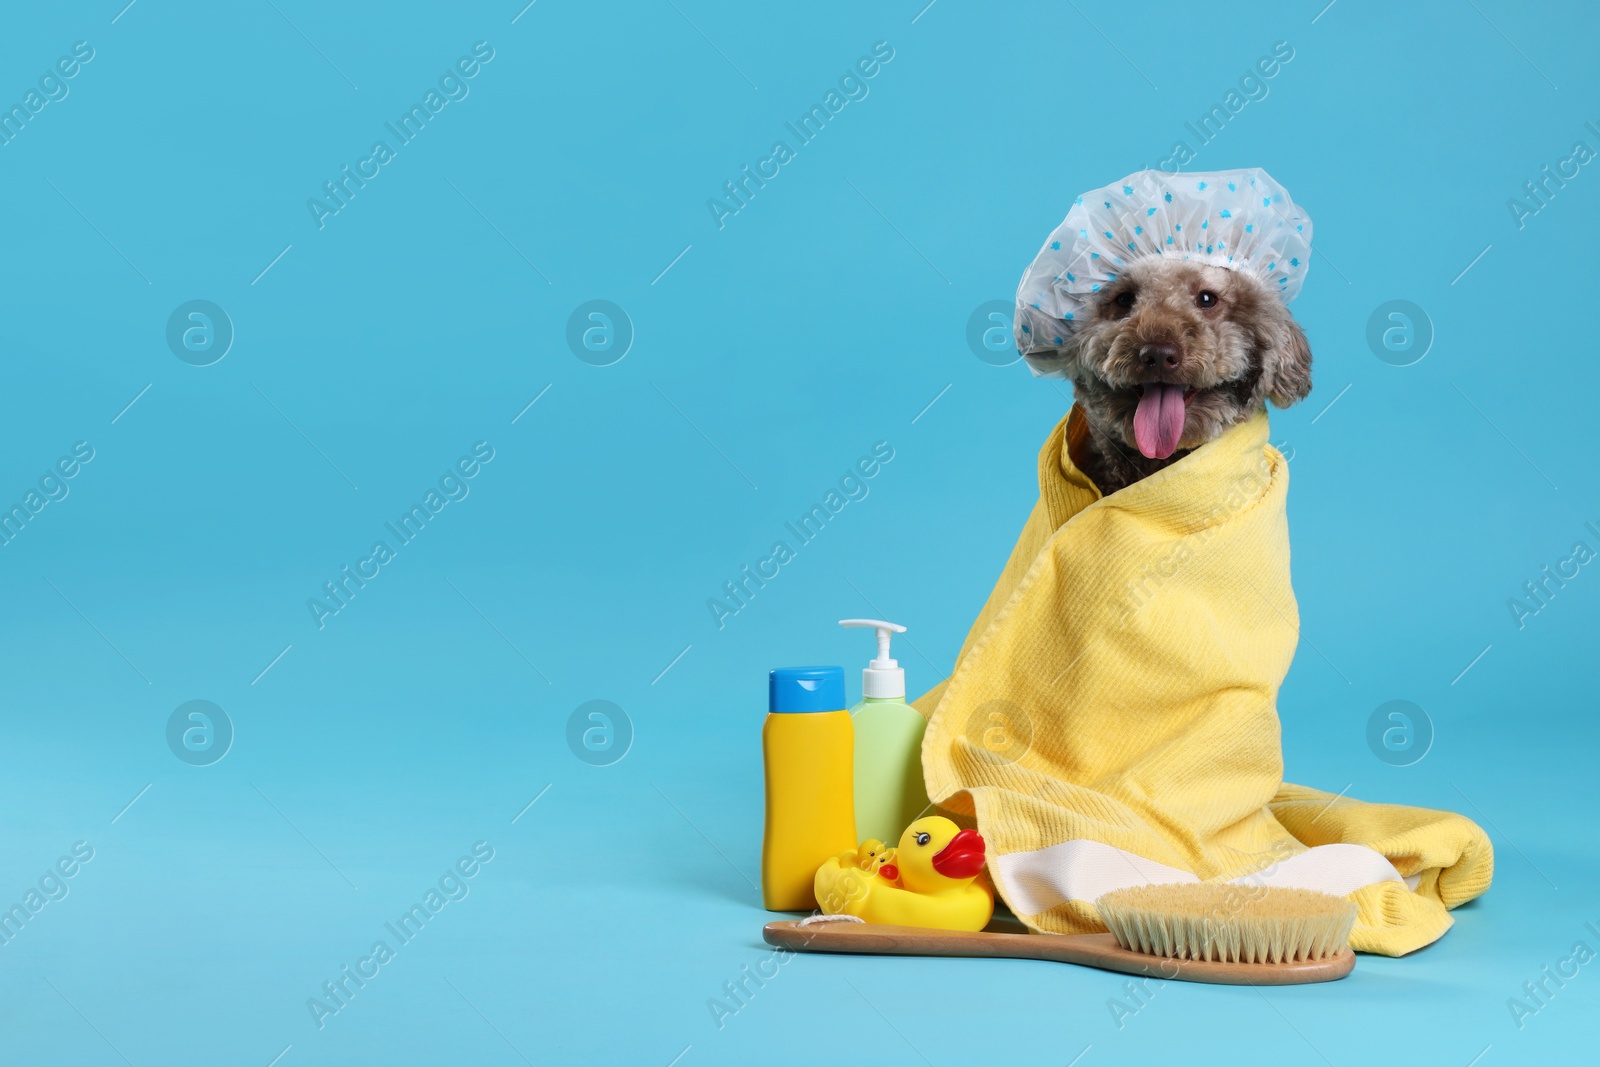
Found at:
(884, 676)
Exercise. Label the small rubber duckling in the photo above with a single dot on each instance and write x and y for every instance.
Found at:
(935, 880)
(873, 855)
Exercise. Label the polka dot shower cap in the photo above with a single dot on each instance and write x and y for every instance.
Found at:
(1239, 219)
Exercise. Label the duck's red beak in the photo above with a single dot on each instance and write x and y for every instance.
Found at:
(962, 857)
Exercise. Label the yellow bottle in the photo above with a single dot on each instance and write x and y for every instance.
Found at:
(808, 749)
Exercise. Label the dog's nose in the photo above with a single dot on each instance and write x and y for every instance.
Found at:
(1162, 354)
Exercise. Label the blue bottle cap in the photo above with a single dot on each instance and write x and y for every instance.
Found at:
(802, 689)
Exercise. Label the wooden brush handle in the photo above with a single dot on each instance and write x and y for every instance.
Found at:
(1088, 950)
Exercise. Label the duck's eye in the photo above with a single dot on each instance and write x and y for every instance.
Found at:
(923, 839)
(1125, 299)
(1205, 299)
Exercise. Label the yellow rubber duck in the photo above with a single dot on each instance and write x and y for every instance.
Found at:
(935, 880)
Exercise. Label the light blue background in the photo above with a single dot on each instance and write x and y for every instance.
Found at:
(824, 317)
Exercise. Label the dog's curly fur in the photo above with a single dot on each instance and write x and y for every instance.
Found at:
(1221, 333)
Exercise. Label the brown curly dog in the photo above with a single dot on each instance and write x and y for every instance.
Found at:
(1174, 353)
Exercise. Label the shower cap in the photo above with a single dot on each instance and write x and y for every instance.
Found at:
(1238, 219)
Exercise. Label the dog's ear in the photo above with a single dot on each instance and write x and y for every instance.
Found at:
(1285, 363)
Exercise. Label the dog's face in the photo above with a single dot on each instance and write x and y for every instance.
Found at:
(1175, 351)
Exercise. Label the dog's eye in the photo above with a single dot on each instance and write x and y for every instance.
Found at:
(1206, 299)
(1125, 299)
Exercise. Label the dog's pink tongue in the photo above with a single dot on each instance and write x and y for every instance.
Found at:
(1158, 424)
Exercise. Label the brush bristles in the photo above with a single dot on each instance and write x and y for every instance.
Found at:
(1228, 923)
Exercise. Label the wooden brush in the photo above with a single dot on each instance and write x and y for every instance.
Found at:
(1228, 923)
(1195, 932)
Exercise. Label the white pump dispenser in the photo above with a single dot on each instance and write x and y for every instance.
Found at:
(889, 790)
(883, 678)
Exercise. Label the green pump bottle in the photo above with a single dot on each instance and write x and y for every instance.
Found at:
(890, 793)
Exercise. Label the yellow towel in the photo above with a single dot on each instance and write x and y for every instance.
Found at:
(1111, 719)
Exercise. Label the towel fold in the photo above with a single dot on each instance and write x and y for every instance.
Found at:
(1112, 717)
